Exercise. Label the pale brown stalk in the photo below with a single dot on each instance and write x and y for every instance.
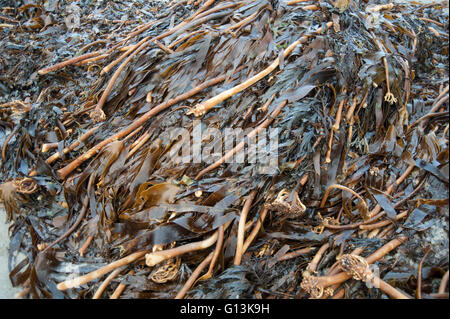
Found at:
(48, 146)
(68, 62)
(78, 281)
(170, 46)
(419, 274)
(216, 254)
(423, 120)
(105, 283)
(94, 59)
(432, 21)
(241, 228)
(163, 47)
(292, 2)
(242, 22)
(72, 146)
(193, 278)
(383, 223)
(97, 114)
(312, 266)
(311, 7)
(342, 187)
(85, 246)
(141, 142)
(120, 288)
(255, 230)
(444, 283)
(391, 188)
(296, 253)
(156, 257)
(435, 32)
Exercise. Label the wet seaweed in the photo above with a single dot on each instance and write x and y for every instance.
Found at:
(95, 184)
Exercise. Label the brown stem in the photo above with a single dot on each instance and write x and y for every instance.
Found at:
(97, 114)
(22, 293)
(312, 7)
(163, 47)
(170, 46)
(391, 187)
(76, 282)
(216, 254)
(68, 62)
(312, 266)
(242, 22)
(388, 289)
(429, 115)
(193, 278)
(96, 58)
(5, 145)
(324, 199)
(296, 253)
(141, 142)
(85, 246)
(87, 46)
(156, 257)
(48, 146)
(330, 144)
(339, 295)
(440, 96)
(255, 230)
(292, 2)
(435, 32)
(241, 228)
(385, 231)
(419, 274)
(72, 146)
(444, 283)
(120, 288)
(105, 283)
(383, 223)
(129, 50)
(423, 120)
(432, 21)
(74, 226)
(351, 110)
(63, 172)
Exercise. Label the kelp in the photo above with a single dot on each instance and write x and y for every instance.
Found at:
(348, 100)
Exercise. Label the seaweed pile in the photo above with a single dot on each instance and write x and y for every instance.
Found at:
(106, 203)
